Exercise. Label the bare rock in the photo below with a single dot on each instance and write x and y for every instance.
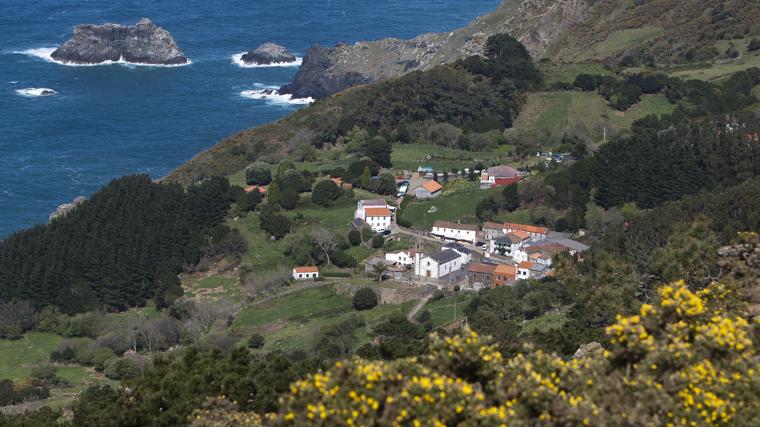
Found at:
(588, 350)
(268, 53)
(66, 208)
(143, 43)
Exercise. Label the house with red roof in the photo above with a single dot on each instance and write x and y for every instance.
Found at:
(498, 176)
(305, 273)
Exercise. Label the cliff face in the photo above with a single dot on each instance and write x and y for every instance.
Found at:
(143, 43)
(536, 23)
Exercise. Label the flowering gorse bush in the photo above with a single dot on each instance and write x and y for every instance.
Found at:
(687, 359)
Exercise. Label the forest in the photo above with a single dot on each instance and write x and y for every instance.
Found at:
(122, 247)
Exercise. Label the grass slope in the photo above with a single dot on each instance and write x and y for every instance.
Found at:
(18, 356)
(294, 321)
(547, 116)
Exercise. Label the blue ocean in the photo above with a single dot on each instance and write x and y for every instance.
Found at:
(110, 120)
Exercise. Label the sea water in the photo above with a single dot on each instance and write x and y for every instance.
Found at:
(65, 131)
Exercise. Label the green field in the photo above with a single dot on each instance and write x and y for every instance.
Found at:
(458, 205)
(216, 287)
(623, 39)
(18, 356)
(295, 320)
(412, 156)
(566, 73)
(719, 69)
(548, 116)
(544, 323)
(449, 309)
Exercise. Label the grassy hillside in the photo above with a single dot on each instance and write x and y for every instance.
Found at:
(547, 116)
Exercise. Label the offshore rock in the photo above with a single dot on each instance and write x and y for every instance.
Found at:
(268, 53)
(142, 43)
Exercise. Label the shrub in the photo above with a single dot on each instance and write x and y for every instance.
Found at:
(101, 356)
(44, 372)
(586, 82)
(289, 199)
(378, 241)
(354, 237)
(364, 299)
(256, 341)
(258, 174)
(121, 368)
(753, 45)
(325, 193)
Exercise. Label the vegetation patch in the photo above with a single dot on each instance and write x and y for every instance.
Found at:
(624, 39)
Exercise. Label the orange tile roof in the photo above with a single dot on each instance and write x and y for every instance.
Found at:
(526, 265)
(432, 186)
(525, 227)
(375, 212)
(309, 269)
(250, 188)
(481, 268)
(521, 234)
(337, 181)
(493, 225)
(506, 270)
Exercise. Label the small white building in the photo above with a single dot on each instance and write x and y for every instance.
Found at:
(305, 273)
(457, 232)
(439, 264)
(405, 258)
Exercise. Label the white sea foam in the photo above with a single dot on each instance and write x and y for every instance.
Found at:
(270, 94)
(33, 92)
(45, 53)
(237, 59)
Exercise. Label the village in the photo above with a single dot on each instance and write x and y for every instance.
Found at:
(454, 255)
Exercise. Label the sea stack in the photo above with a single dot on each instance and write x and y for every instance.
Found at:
(268, 53)
(142, 43)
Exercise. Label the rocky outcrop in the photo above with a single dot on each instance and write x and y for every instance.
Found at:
(66, 208)
(588, 350)
(268, 53)
(143, 43)
(537, 23)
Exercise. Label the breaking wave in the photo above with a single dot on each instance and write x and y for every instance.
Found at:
(237, 59)
(270, 94)
(33, 92)
(45, 53)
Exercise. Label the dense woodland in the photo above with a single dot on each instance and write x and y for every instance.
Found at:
(118, 249)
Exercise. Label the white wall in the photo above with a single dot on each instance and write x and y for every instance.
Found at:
(455, 234)
(379, 223)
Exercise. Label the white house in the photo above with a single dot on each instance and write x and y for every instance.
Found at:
(379, 219)
(439, 264)
(305, 273)
(376, 213)
(405, 258)
(361, 205)
(453, 231)
(507, 244)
